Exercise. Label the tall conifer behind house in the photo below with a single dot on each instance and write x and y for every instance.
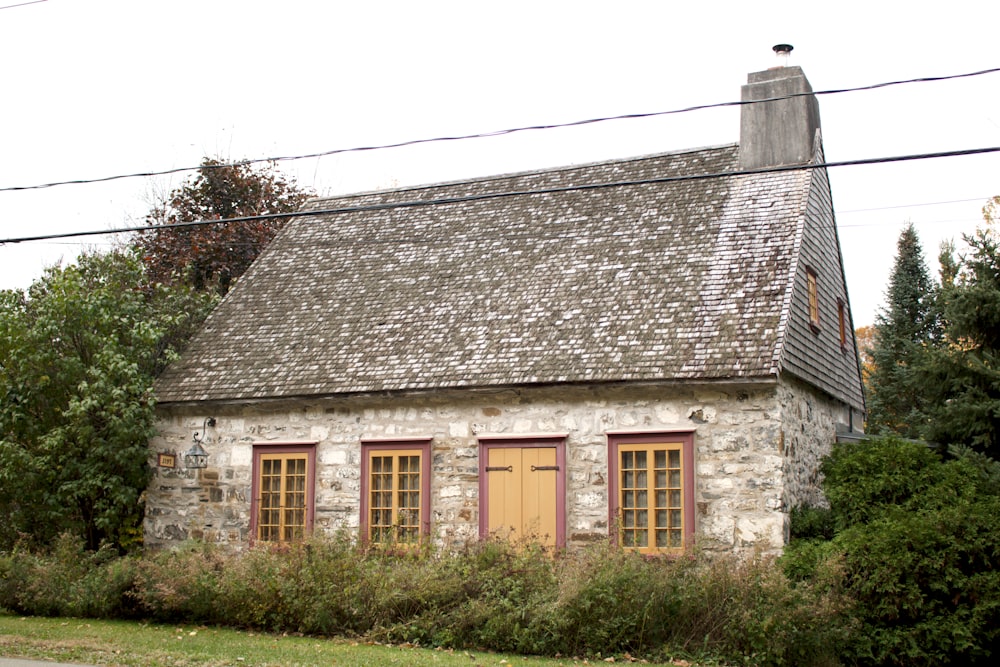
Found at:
(904, 328)
(961, 376)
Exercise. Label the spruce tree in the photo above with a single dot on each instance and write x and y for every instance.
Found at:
(904, 328)
(962, 374)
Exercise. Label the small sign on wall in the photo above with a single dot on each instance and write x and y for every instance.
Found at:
(166, 460)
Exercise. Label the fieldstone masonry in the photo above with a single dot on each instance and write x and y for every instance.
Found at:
(757, 452)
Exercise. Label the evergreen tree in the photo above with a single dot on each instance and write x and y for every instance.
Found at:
(962, 375)
(904, 328)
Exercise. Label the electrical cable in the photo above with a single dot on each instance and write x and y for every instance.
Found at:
(513, 193)
(496, 133)
(930, 203)
(22, 4)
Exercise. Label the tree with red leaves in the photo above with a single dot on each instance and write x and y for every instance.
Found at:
(211, 257)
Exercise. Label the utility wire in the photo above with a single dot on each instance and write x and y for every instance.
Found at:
(418, 203)
(496, 133)
(22, 4)
(930, 203)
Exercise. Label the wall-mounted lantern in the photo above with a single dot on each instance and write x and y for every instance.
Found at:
(197, 457)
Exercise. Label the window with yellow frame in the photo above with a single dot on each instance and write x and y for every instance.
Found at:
(395, 491)
(652, 490)
(282, 492)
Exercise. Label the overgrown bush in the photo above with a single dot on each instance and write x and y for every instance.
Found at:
(66, 580)
(916, 547)
(495, 595)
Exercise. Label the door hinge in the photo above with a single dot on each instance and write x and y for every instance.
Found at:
(534, 468)
(499, 468)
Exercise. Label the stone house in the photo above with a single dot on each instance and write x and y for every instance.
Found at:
(659, 349)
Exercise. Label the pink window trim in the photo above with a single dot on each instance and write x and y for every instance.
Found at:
(259, 448)
(558, 441)
(686, 438)
(423, 445)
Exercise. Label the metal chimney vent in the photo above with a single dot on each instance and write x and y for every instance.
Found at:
(783, 51)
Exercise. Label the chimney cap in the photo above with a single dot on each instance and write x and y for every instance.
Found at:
(782, 49)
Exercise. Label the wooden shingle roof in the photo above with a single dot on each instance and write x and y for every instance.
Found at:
(679, 280)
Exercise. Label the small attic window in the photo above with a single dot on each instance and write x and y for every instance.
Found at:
(812, 290)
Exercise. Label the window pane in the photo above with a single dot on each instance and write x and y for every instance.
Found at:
(662, 539)
(675, 458)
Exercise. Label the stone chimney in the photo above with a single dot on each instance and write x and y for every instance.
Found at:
(780, 132)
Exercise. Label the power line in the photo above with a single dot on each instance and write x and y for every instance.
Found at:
(495, 133)
(22, 4)
(418, 203)
(930, 203)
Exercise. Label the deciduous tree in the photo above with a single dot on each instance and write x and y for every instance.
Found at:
(865, 337)
(78, 353)
(211, 257)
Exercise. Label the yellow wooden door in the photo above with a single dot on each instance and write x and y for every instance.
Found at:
(522, 493)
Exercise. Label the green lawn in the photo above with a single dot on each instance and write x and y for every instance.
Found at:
(113, 643)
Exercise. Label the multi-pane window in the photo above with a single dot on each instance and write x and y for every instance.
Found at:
(282, 503)
(651, 506)
(394, 507)
(394, 492)
(652, 487)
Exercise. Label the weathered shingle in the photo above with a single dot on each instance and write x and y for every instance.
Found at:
(676, 280)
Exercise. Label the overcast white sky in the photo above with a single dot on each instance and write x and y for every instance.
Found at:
(93, 88)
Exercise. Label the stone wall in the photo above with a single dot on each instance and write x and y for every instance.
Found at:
(809, 422)
(749, 466)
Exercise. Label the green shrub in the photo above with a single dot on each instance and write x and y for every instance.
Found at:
(66, 580)
(812, 523)
(496, 595)
(611, 601)
(505, 585)
(917, 550)
(862, 479)
(182, 585)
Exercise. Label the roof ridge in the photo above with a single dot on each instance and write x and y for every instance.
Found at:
(526, 172)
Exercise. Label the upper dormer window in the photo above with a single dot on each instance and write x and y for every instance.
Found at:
(812, 289)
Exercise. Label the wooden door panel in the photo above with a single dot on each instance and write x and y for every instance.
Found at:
(522, 493)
